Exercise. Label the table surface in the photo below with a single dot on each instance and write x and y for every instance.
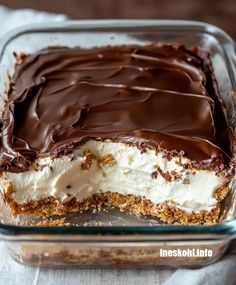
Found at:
(218, 12)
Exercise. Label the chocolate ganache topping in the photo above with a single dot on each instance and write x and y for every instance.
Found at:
(153, 96)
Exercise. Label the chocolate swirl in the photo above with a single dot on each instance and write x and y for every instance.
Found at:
(152, 96)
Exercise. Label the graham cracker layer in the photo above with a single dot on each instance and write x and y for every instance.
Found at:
(167, 212)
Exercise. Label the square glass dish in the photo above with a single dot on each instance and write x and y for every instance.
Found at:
(111, 238)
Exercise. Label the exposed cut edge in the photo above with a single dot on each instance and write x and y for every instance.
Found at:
(167, 212)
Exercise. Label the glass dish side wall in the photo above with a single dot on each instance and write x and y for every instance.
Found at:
(115, 254)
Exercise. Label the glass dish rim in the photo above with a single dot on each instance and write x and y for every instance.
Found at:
(226, 229)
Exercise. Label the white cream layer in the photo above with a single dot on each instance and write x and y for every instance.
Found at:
(130, 175)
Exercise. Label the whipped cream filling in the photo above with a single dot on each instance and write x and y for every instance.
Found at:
(130, 173)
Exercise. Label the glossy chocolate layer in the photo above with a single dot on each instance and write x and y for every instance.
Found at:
(152, 96)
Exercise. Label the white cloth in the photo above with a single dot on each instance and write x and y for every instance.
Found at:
(222, 272)
(10, 19)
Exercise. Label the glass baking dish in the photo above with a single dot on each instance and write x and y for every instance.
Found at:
(111, 238)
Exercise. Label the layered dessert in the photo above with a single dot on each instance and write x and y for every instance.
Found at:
(141, 128)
